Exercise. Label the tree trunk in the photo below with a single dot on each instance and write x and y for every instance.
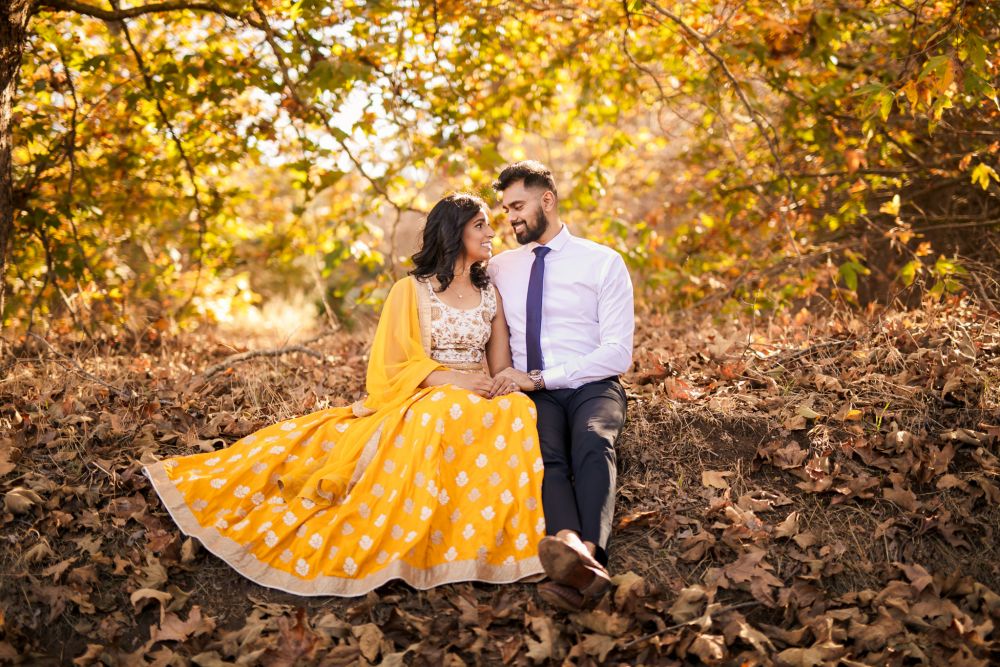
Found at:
(13, 33)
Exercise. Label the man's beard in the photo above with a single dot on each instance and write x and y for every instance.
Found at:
(533, 232)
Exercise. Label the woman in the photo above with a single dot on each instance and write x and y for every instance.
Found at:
(435, 477)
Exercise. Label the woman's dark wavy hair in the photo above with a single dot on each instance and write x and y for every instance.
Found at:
(441, 245)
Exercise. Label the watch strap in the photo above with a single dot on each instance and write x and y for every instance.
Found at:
(537, 379)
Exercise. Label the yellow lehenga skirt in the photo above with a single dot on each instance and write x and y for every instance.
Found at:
(447, 488)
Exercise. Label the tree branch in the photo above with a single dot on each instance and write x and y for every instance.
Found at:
(182, 152)
(289, 85)
(763, 125)
(132, 12)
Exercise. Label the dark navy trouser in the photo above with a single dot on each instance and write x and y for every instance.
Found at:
(577, 430)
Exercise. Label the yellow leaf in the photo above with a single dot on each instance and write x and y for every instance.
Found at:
(891, 207)
(982, 173)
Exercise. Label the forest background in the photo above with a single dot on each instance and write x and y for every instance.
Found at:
(806, 194)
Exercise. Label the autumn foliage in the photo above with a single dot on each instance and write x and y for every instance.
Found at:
(184, 164)
(806, 194)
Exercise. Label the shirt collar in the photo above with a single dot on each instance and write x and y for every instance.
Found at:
(559, 241)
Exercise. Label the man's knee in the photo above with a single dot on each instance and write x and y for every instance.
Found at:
(599, 432)
(605, 429)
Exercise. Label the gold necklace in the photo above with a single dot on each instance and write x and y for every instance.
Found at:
(458, 294)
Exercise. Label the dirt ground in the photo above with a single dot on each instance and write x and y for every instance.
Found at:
(800, 491)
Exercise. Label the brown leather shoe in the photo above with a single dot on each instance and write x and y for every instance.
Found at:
(567, 561)
(561, 596)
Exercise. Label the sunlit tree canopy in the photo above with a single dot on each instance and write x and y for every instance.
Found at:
(185, 160)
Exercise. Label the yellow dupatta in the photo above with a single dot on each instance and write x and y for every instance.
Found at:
(400, 357)
(398, 363)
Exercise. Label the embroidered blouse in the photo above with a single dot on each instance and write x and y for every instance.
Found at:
(459, 335)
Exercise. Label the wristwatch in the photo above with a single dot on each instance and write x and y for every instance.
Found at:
(536, 377)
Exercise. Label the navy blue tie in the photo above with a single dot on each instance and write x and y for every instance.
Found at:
(533, 310)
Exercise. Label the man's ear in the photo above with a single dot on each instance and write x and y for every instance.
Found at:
(548, 200)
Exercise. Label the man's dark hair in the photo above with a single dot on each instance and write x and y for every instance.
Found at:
(532, 172)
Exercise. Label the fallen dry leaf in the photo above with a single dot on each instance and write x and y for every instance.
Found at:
(711, 649)
(598, 646)
(680, 390)
(715, 479)
(144, 596)
(902, 497)
(848, 565)
(689, 603)
(370, 639)
(8, 454)
(172, 628)
(297, 643)
(543, 648)
(801, 657)
(919, 577)
(20, 500)
(789, 527)
(613, 625)
(91, 656)
(189, 550)
(626, 584)
(37, 552)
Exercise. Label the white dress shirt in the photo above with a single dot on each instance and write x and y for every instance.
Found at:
(588, 317)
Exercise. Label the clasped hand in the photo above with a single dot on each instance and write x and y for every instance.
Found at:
(506, 381)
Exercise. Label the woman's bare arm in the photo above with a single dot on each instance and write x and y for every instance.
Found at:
(498, 355)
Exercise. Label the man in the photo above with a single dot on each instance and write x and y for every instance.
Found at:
(568, 303)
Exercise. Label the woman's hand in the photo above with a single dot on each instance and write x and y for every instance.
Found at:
(508, 381)
(477, 383)
(501, 385)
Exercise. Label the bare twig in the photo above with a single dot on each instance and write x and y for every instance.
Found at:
(126, 394)
(255, 354)
(815, 348)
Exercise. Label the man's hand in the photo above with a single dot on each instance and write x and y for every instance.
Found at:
(503, 380)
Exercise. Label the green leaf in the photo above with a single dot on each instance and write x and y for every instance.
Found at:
(885, 100)
(909, 272)
(849, 275)
(330, 178)
(936, 66)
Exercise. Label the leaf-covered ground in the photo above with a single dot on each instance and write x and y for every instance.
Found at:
(816, 491)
